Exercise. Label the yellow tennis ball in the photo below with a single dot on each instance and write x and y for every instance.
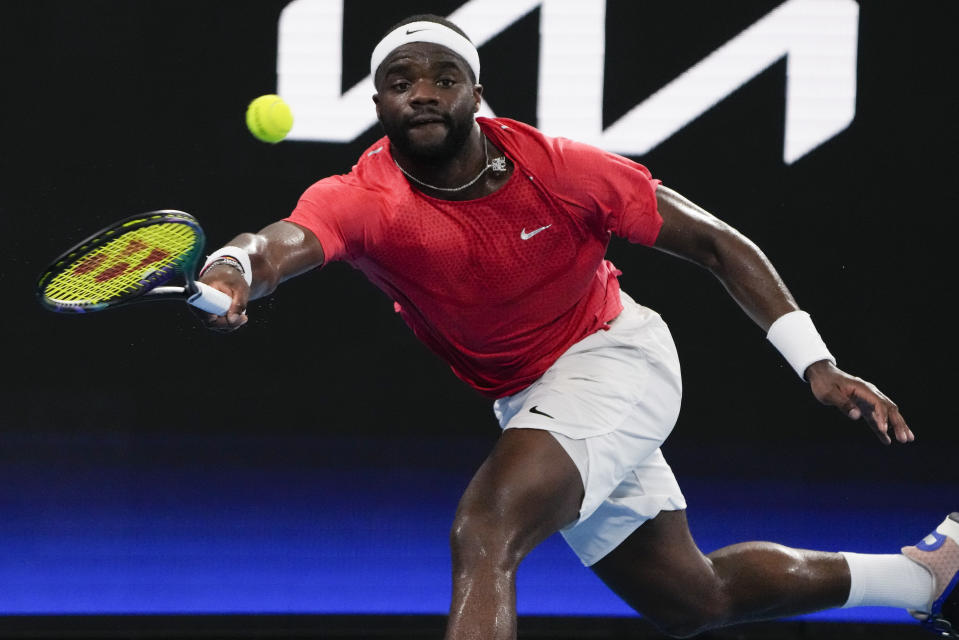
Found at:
(269, 118)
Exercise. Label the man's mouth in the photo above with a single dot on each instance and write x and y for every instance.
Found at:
(423, 120)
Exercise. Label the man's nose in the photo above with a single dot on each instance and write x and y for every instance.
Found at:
(423, 92)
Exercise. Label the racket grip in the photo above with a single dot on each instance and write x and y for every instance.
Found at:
(210, 300)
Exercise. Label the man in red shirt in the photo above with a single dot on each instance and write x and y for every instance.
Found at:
(490, 237)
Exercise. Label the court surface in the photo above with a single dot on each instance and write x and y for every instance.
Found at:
(298, 537)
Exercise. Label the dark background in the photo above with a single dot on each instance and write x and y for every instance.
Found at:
(113, 108)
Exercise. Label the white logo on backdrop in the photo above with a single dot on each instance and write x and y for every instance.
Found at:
(818, 38)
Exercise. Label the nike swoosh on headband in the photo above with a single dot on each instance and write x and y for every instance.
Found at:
(426, 31)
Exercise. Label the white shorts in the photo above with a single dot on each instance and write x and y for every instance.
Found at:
(610, 400)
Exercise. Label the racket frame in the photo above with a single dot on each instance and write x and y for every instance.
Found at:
(191, 291)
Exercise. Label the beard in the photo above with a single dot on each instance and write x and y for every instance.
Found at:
(433, 151)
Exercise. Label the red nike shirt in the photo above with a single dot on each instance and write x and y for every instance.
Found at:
(501, 286)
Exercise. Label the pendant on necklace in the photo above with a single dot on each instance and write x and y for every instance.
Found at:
(498, 165)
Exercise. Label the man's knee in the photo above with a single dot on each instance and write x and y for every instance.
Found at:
(681, 610)
(660, 572)
(485, 533)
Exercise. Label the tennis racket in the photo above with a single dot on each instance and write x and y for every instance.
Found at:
(133, 260)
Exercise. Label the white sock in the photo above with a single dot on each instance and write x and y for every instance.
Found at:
(887, 580)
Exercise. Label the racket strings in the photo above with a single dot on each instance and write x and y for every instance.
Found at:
(123, 265)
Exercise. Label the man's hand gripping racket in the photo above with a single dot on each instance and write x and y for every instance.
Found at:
(133, 260)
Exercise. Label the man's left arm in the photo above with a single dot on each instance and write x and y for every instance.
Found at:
(692, 233)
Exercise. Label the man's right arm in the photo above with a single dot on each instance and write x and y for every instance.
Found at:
(278, 252)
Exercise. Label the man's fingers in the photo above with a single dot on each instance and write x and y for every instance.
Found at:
(236, 320)
(875, 411)
(850, 405)
(229, 322)
(217, 323)
(857, 398)
(877, 422)
(900, 428)
(235, 317)
(230, 282)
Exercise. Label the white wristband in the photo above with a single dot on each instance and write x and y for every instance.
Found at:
(796, 338)
(238, 255)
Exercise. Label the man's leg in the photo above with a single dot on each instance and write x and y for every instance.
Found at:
(526, 490)
(661, 573)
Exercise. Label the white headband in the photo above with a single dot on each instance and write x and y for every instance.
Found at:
(425, 31)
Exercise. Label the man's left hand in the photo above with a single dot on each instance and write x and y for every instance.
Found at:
(857, 399)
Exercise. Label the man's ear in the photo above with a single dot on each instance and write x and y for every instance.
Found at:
(376, 101)
(477, 96)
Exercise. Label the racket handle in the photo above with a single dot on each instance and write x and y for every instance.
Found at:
(210, 300)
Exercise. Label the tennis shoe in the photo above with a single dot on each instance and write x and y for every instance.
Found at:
(939, 553)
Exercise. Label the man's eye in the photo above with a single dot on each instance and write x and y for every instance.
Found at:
(445, 82)
(401, 86)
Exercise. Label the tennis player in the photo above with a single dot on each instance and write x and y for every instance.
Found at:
(491, 237)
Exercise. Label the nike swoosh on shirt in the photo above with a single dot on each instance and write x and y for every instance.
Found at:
(535, 410)
(527, 236)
